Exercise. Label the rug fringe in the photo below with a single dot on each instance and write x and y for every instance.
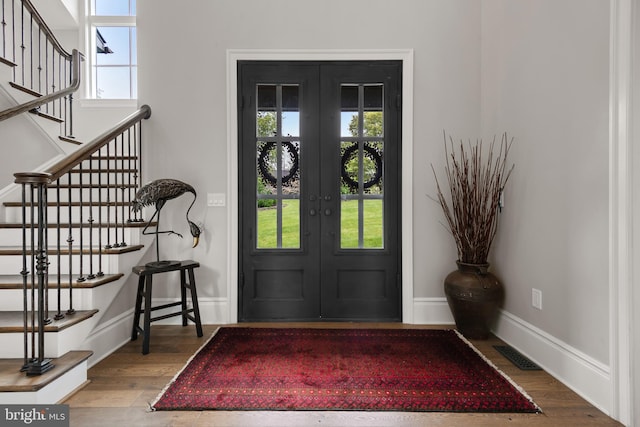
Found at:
(490, 363)
(152, 405)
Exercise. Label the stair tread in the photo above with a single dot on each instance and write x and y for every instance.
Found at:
(12, 321)
(12, 380)
(69, 139)
(7, 62)
(14, 281)
(17, 250)
(25, 89)
(47, 116)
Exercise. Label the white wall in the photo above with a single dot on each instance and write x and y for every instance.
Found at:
(545, 80)
(183, 77)
(35, 147)
(538, 70)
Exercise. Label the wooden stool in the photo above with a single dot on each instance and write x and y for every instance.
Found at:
(145, 285)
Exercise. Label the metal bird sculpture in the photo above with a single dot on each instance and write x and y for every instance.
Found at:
(157, 193)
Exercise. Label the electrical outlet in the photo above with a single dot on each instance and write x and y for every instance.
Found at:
(536, 298)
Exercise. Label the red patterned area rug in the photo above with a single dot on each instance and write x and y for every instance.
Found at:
(244, 368)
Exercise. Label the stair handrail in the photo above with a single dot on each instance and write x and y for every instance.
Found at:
(83, 153)
(76, 59)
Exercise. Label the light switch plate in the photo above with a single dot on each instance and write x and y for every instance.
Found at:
(216, 199)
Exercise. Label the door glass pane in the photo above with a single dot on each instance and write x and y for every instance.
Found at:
(277, 167)
(361, 167)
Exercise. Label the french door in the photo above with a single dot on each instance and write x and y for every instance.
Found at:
(319, 180)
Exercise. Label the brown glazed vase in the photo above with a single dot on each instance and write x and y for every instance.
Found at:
(474, 296)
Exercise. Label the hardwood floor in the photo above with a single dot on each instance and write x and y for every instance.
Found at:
(123, 385)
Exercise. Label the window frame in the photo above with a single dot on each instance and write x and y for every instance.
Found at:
(92, 22)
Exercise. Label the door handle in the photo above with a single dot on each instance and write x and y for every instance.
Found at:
(312, 212)
(327, 212)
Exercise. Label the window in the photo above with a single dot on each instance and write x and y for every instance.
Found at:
(112, 42)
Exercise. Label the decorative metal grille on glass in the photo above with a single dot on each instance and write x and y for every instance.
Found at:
(362, 166)
(278, 167)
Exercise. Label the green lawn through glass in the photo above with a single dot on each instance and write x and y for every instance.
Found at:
(349, 225)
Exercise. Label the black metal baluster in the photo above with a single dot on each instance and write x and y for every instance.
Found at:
(108, 245)
(59, 314)
(81, 277)
(53, 81)
(43, 229)
(33, 274)
(41, 365)
(60, 108)
(90, 220)
(4, 33)
(13, 35)
(22, 46)
(137, 169)
(115, 192)
(70, 310)
(122, 186)
(31, 49)
(39, 60)
(132, 171)
(25, 279)
(100, 207)
(70, 115)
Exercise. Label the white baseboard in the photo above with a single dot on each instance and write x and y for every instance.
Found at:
(586, 376)
(108, 337)
(432, 311)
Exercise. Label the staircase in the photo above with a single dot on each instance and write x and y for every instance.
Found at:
(68, 236)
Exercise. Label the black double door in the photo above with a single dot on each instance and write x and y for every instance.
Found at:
(319, 179)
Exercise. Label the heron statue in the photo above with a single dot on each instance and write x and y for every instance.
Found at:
(157, 193)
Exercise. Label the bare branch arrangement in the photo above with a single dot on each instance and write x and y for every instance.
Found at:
(475, 182)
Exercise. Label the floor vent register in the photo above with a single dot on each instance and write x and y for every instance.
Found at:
(517, 358)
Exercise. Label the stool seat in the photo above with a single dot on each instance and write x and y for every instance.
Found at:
(145, 288)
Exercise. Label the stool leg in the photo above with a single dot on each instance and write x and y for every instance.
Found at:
(183, 296)
(194, 302)
(147, 315)
(136, 316)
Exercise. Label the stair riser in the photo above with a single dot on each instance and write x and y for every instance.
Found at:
(131, 236)
(83, 298)
(95, 194)
(14, 214)
(12, 264)
(56, 344)
(102, 177)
